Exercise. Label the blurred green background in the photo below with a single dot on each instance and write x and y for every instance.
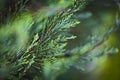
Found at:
(95, 18)
(98, 14)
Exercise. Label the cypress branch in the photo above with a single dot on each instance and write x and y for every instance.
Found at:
(43, 52)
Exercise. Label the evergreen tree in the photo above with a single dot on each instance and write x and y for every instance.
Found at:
(34, 35)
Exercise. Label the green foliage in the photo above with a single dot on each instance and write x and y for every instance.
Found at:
(36, 42)
(33, 45)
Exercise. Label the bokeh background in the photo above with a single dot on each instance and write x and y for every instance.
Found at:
(95, 18)
(98, 15)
